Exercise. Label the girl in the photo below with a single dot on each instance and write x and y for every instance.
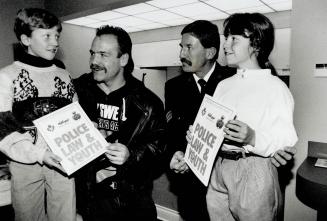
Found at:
(244, 183)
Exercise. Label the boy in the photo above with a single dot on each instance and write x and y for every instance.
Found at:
(30, 88)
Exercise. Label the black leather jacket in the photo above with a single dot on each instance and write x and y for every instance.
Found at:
(142, 132)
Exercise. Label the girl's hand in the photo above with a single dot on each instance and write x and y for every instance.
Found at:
(240, 132)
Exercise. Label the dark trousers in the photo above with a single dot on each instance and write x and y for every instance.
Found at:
(191, 196)
(122, 204)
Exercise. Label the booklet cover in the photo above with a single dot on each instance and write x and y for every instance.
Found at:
(72, 136)
(321, 163)
(207, 137)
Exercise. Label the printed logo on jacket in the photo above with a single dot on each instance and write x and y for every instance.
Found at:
(109, 117)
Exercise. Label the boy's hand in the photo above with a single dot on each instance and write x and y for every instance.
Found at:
(52, 160)
(282, 156)
(178, 164)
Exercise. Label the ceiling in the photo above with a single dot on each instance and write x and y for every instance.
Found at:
(167, 13)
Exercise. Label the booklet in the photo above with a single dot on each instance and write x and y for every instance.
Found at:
(207, 137)
(72, 136)
(321, 163)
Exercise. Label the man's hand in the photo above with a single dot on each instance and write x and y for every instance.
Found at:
(52, 160)
(282, 156)
(177, 163)
(189, 134)
(117, 153)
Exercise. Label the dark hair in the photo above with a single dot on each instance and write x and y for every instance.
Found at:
(124, 42)
(259, 29)
(29, 19)
(206, 32)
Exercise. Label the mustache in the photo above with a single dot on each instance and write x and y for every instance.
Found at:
(186, 61)
(95, 67)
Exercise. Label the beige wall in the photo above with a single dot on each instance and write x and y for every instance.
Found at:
(75, 43)
(8, 10)
(309, 46)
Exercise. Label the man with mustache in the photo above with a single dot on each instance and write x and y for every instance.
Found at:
(118, 185)
(199, 49)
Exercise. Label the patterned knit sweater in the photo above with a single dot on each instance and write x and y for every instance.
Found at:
(27, 93)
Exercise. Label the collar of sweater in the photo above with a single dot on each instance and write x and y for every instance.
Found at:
(34, 61)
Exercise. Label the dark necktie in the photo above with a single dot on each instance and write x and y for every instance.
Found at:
(202, 84)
